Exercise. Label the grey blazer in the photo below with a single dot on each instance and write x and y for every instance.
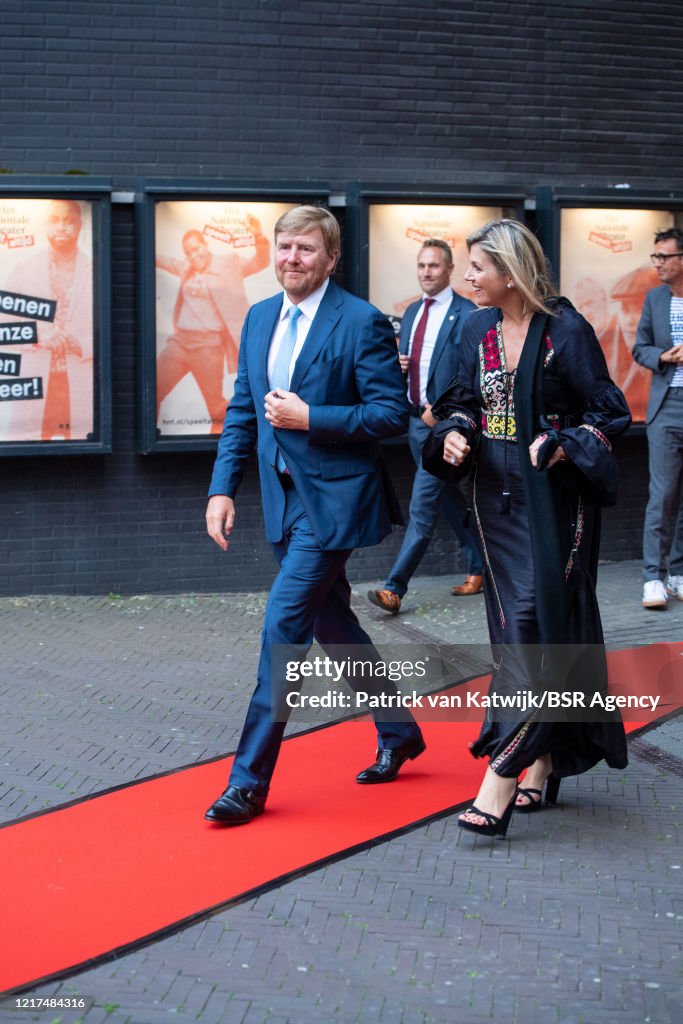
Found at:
(652, 338)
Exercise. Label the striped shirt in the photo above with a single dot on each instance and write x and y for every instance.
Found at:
(677, 336)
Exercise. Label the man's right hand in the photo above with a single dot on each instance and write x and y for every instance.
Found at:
(672, 355)
(405, 362)
(220, 519)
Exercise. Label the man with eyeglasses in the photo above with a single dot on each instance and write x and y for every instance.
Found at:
(659, 347)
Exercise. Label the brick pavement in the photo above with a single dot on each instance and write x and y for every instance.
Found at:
(575, 918)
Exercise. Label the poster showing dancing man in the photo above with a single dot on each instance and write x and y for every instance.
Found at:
(213, 260)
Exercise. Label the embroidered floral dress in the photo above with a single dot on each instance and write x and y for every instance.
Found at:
(578, 407)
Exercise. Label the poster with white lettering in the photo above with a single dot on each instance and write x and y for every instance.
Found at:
(605, 270)
(396, 233)
(213, 260)
(46, 320)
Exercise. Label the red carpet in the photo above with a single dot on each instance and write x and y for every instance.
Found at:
(116, 870)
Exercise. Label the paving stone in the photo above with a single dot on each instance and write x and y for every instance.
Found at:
(434, 927)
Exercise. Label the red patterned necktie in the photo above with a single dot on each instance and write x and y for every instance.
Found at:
(416, 352)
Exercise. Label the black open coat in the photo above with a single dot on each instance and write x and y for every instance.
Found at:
(540, 527)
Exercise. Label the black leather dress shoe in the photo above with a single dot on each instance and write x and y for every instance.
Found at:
(388, 763)
(236, 807)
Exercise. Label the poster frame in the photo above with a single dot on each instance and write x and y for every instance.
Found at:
(148, 193)
(552, 200)
(361, 196)
(97, 191)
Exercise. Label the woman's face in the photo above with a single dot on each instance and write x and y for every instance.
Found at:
(490, 287)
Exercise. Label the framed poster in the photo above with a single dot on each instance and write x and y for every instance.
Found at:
(602, 254)
(54, 317)
(388, 228)
(207, 257)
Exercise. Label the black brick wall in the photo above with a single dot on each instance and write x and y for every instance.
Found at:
(478, 90)
(450, 93)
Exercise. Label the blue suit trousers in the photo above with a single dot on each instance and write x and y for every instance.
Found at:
(310, 599)
(429, 497)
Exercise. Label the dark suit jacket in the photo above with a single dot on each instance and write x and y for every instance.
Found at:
(444, 362)
(348, 373)
(653, 337)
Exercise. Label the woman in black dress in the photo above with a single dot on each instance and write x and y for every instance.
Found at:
(533, 407)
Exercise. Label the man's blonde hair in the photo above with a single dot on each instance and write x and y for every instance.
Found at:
(302, 219)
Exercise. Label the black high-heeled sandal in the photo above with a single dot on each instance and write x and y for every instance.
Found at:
(552, 788)
(530, 793)
(494, 826)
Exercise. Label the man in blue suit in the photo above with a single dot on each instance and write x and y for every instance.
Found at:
(659, 347)
(428, 348)
(318, 386)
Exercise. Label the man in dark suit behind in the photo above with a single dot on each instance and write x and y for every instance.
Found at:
(428, 351)
(318, 386)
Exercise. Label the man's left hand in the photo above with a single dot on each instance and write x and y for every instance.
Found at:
(427, 417)
(286, 410)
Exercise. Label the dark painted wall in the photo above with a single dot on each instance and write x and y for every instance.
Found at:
(478, 90)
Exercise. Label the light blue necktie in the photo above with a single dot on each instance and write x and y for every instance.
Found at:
(279, 377)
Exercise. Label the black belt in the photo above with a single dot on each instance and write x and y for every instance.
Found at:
(286, 481)
(416, 410)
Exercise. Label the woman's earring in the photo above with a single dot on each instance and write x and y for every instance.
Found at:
(509, 284)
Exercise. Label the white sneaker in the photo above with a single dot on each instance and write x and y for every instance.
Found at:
(674, 586)
(654, 594)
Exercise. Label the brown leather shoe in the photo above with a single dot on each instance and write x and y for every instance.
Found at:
(387, 600)
(472, 585)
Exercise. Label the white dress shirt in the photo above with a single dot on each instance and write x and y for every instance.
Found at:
(308, 307)
(435, 320)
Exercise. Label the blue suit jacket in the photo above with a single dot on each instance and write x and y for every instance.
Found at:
(444, 362)
(348, 373)
(652, 338)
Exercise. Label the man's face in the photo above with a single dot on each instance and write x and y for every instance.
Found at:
(670, 271)
(433, 270)
(197, 253)
(63, 225)
(302, 263)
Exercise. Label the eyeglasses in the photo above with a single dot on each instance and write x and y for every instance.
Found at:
(661, 257)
